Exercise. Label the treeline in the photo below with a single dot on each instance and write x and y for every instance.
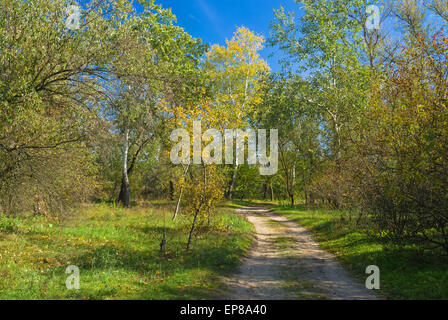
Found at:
(362, 113)
(74, 101)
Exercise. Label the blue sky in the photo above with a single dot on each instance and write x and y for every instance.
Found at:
(216, 20)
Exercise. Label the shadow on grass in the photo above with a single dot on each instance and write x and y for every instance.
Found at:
(219, 261)
(249, 203)
(408, 271)
(214, 255)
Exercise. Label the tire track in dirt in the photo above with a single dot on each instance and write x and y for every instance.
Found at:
(285, 263)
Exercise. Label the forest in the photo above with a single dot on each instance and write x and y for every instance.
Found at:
(92, 98)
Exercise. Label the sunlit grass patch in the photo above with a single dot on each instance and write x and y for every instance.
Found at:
(117, 252)
(407, 272)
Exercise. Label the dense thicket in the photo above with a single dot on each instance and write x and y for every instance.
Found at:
(362, 113)
(76, 105)
(381, 106)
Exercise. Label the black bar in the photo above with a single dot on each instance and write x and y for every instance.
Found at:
(243, 309)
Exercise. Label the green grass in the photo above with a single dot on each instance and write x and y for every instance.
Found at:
(302, 289)
(284, 243)
(251, 203)
(117, 252)
(275, 224)
(407, 272)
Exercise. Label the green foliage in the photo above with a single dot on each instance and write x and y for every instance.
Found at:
(64, 93)
(379, 114)
(407, 191)
(407, 272)
(87, 114)
(8, 225)
(117, 251)
(285, 107)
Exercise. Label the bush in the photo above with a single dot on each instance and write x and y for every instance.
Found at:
(8, 225)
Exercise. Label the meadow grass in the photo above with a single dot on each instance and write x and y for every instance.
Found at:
(408, 271)
(117, 252)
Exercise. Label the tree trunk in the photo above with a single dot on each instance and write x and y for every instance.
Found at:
(179, 199)
(171, 190)
(178, 203)
(190, 235)
(272, 192)
(124, 196)
(232, 183)
(125, 191)
(265, 191)
(163, 242)
(293, 180)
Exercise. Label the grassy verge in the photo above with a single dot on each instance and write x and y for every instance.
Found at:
(117, 252)
(407, 272)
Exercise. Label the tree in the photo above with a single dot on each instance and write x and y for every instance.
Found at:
(333, 50)
(51, 84)
(236, 71)
(405, 177)
(158, 60)
(62, 88)
(285, 107)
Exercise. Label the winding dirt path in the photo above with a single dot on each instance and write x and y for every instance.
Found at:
(285, 263)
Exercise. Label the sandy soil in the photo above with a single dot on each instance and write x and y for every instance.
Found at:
(285, 263)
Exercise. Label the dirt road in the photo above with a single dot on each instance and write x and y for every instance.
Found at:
(286, 263)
